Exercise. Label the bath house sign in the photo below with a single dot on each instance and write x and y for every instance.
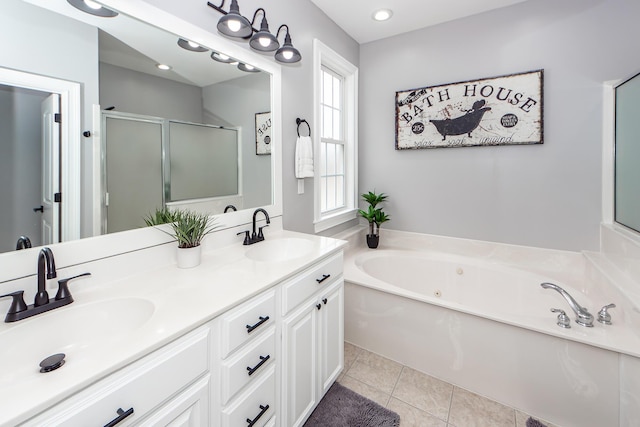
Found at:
(503, 110)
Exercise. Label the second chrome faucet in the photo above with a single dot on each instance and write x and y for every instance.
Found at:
(583, 317)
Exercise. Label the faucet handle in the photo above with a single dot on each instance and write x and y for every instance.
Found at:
(17, 303)
(603, 315)
(260, 235)
(247, 238)
(563, 319)
(63, 290)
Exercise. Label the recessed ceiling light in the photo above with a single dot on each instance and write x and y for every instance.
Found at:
(163, 67)
(382, 14)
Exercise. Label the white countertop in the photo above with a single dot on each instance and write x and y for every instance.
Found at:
(182, 300)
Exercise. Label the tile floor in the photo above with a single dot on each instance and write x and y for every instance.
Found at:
(419, 399)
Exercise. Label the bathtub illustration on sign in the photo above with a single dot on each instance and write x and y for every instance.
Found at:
(466, 123)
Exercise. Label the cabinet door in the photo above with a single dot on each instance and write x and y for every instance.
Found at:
(331, 336)
(189, 409)
(300, 341)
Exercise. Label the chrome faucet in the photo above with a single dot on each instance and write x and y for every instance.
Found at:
(45, 262)
(583, 317)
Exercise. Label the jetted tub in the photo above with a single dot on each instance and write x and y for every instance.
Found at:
(482, 321)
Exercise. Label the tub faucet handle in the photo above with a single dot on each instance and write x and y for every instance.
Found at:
(603, 315)
(563, 320)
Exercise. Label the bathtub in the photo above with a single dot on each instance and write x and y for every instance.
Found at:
(473, 314)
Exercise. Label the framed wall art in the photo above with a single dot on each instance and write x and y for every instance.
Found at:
(504, 110)
(263, 133)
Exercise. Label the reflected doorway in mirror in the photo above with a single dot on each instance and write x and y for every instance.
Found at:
(263, 133)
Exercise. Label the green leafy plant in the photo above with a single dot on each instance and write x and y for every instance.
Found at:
(188, 228)
(374, 215)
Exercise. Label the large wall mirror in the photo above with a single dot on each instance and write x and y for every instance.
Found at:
(627, 153)
(184, 137)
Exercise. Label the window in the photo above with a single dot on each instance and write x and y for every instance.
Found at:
(335, 84)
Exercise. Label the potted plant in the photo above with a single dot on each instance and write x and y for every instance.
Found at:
(188, 228)
(375, 216)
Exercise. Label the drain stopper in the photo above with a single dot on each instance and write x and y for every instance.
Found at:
(52, 363)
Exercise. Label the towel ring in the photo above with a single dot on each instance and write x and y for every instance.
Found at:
(299, 121)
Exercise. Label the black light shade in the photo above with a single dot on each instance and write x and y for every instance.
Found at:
(216, 56)
(233, 24)
(287, 53)
(247, 68)
(263, 40)
(92, 8)
(193, 47)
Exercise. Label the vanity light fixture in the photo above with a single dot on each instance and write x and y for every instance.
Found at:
(232, 23)
(248, 68)
(382, 15)
(263, 40)
(163, 67)
(287, 53)
(93, 8)
(192, 46)
(235, 25)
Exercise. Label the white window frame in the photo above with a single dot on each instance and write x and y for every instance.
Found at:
(325, 56)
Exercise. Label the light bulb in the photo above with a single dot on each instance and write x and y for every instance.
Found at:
(193, 45)
(234, 25)
(222, 56)
(264, 41)
(93, 5)
(287, 54)
(163, 67)
(382, 15)
(249, 67)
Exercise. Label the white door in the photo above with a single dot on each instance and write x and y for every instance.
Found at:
(50, 169)
(300, 345)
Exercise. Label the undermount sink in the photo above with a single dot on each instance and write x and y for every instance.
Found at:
(70, 330)
(279, 250)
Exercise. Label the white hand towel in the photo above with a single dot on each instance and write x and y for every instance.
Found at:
(304, 157)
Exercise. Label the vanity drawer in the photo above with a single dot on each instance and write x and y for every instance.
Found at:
(308, 283)
(140, 387)
(258, 402)
(246, 321)
(259, 356)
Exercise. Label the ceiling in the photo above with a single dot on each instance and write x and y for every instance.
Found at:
(355, 16)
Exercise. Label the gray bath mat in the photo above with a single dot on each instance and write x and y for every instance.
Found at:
(342, 407)
(532, 422)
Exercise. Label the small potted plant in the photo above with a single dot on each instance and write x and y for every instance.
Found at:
(188, 228)
(375, 216)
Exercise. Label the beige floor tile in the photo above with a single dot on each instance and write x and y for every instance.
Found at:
(522, 417)
(424, 392)
(365, 390)
(376, 371)
(413, 417)
(471, 410)
(351, 352)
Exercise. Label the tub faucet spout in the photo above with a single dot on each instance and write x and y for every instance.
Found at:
(583, 317)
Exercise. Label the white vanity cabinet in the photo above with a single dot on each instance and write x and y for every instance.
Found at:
(312, 338)
(171, 386)
(247, 367)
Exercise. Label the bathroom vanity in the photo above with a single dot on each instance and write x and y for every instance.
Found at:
(252, 336)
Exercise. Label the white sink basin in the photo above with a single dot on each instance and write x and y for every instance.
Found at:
(279, 250)
(71, 330)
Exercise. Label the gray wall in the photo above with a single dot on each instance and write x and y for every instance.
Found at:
(542, 195)
(138, 93)
(237, 101)
(306, 22)
(20, 165)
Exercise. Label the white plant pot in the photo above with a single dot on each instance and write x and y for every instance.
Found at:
(189, 257)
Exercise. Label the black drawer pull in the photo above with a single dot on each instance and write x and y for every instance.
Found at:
(263, 409)
(324, 277)
(324, 300)
(318, 306)
(263, 359)
(250, 328)
(122, 414)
